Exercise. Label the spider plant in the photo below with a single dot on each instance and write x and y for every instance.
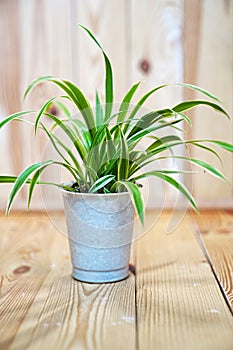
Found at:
(105, 156)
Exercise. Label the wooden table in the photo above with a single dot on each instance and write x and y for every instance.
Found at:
(179, 297)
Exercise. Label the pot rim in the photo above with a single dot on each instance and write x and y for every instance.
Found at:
(91, 193)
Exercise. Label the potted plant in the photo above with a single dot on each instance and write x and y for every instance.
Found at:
(105, 163)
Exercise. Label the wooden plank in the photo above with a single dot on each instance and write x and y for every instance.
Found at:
(216, 227)
(152, 52)
(11, 158)
(214, 70)
(156, 58)
(111, 32)
(159, 44)
(179, 303)
(31, 48)
(43, 307)
(45, 50)
(192, 20)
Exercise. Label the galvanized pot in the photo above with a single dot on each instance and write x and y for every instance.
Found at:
(100, 231)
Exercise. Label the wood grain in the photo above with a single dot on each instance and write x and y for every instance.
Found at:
(214, 73)
(45, 49)
(216, 228)
(43, 307)
(10, 74)
(192, 20)
(156, 40)
(179, 303)
(159, 43)
(192, 27)
(97, 16)
(10, 94)
(153, 41)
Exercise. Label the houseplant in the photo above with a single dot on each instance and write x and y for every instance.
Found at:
(106, 163)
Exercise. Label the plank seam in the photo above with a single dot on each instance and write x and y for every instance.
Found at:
(202, 245)
(135, 297)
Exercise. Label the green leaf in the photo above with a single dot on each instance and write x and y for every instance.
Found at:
(14, 116)
(99, 111)
(35, 179)
(68, 131)
(206, 166)
(63, 108)
(111, 149)
(198, 88)
(209, 168)
(110, 167)
(74, 93)
(36, 82)
(186, 118)
(142, 133)
(163, 141)
(157, 147)
(184, 106)
(225, 145)
(123, 163)
(91, 174)
(82, 103)
(7, 179)
(108, 87)
(81, 132)
(199, 144)
(54, 140)
(163, 124)
(100, 183)
(108, 77)
(22, 178)
(100, 133)
(136, 198)
(149, 119)
(43, 108)
(160, 145)
(172, 182)
(125, 103)
(141, 102)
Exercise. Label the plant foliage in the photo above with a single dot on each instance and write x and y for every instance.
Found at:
(104, 154)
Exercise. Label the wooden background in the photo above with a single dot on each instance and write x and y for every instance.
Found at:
(177, 40)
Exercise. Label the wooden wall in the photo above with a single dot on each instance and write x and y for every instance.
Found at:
(156, 41)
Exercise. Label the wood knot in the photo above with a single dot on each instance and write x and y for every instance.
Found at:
(53, 110)
(21, 269)
(145, 66)
(224, 230)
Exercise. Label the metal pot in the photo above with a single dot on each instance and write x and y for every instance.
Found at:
(100, 231)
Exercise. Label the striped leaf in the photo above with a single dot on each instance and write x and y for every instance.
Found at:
(100, 183)
(199, 89)
(22, 179)
(44, 108)
(14, 116)
(184, 106)
(179, 186)
(123, 163)
(108, 76)
(206, 166)
(125, 103)
(98, 111)
(75, 95)
(136, 198)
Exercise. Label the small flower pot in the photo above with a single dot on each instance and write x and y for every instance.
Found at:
(100, 231)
